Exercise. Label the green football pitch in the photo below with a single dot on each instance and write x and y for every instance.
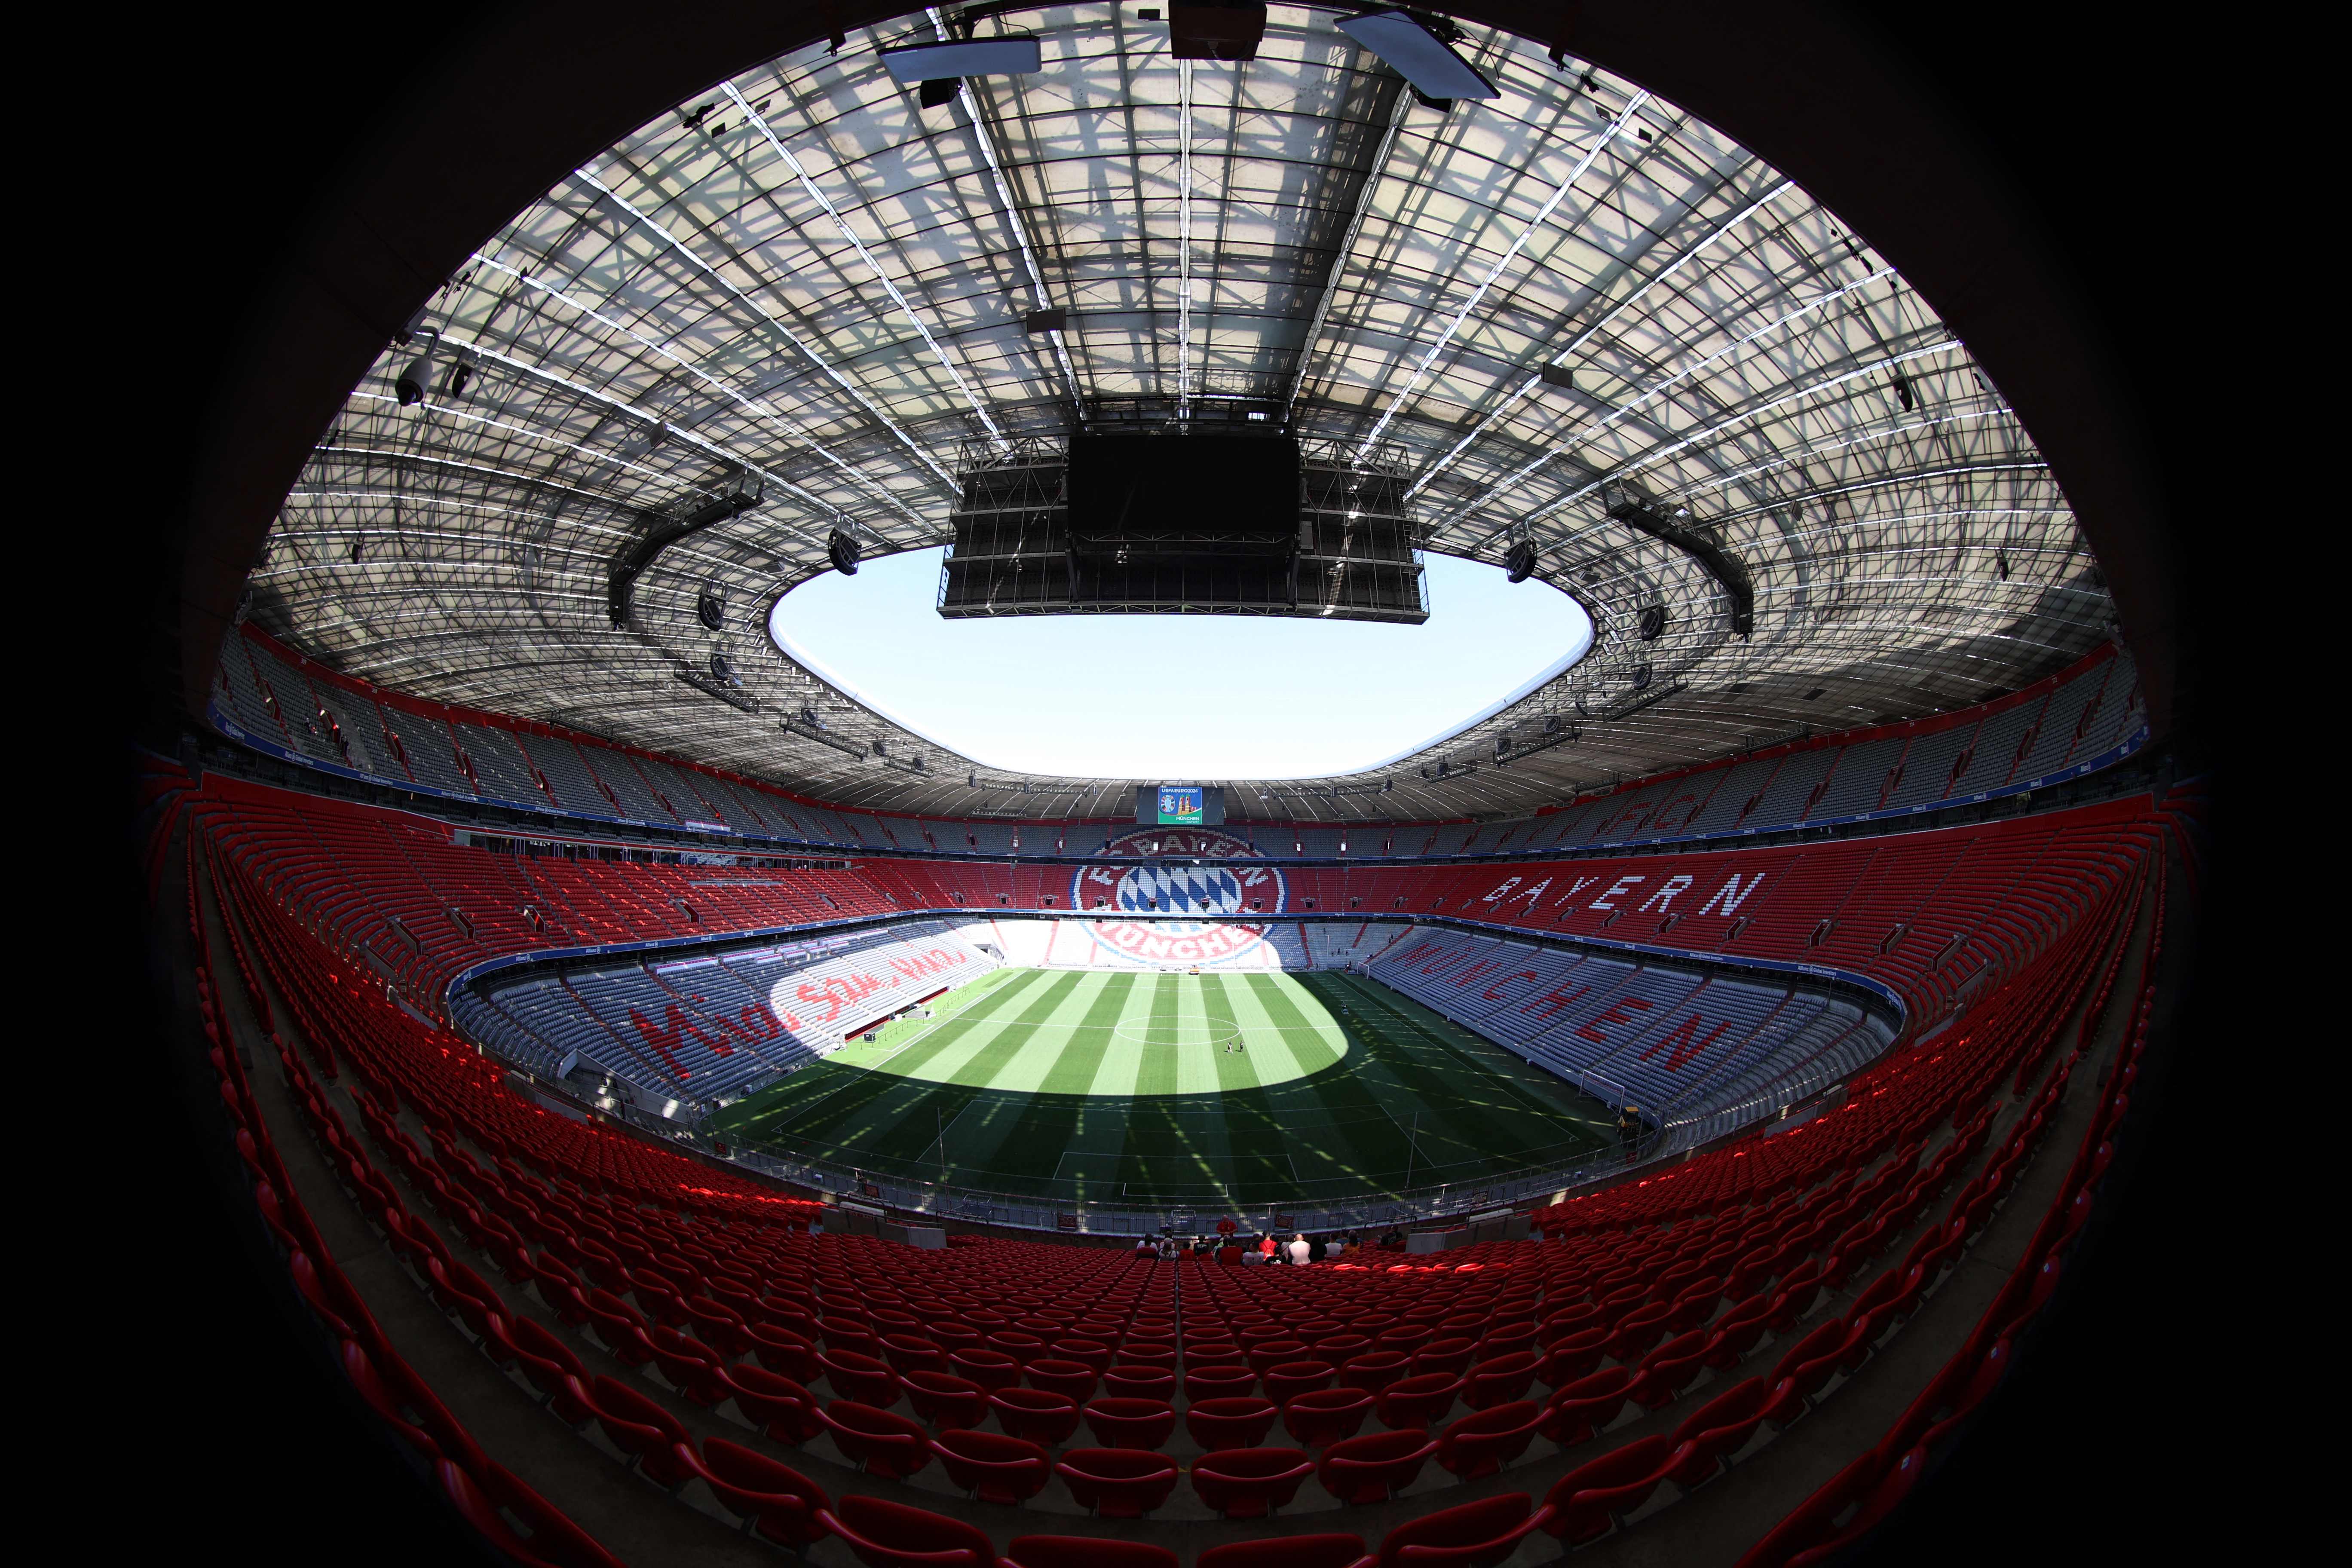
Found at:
(1242, 1091)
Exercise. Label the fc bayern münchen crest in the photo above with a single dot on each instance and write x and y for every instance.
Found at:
(1166, 883)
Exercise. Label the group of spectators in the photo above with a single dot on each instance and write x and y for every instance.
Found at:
(1266, 1247)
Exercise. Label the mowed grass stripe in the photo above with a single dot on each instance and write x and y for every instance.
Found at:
(1170, 1145)
(1004, 999)
(835, 1104)
(1355, 1136)
(1155, 1073)
(1029, 1140)
(1018, 1035)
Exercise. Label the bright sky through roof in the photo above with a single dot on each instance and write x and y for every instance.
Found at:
(1179, 697)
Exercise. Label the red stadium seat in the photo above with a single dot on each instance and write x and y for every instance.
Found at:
(1085, 1552)
(1668, 1369)
(781, 1408)
(777, 1500)
(943, 1400)
(1218, 1381)
(1420, 1401)
(1374, 1466)
(885, 1534)
(1588, 1500)
(1500, 1381)
(1330, 1551)
(1072, 1380)
(1240, 1422)
(1871, 1486)
(552, 1368)
(1475, 1535)
(1375, 1371)
(1033, 1415)
(1284, 1381)
(785, 1353)
(641, 1429)
(909, 1353)
(1584, 1407)
(1451, 1356)
(1710, 1435)
(1574, 1356)
(993, 1467)
(554, 1539)
(1139, 1383)
(1118, 1483)
(1249, 1483)
(991, 1369)
(1325, 1416)
(875, 1440)
(1484, 1443)
(1130, 1423)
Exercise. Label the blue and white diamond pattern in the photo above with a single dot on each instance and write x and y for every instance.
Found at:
(1179, 890)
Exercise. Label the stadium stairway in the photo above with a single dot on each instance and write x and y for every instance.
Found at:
(2078, 990)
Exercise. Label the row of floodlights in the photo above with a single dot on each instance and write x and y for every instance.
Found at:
(1420, 55)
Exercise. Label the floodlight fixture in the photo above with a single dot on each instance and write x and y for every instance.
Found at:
(915, 64)
(1420, 55)
(844, 553)
(1520, 562)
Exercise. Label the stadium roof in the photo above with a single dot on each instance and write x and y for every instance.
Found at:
(805, 281)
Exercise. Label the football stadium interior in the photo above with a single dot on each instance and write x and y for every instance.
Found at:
(682, 1112)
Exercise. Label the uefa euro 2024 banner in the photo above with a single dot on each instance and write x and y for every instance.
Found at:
(1167, 883)
(1179, 805)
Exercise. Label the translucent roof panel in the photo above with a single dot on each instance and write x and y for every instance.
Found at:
(808, 283)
